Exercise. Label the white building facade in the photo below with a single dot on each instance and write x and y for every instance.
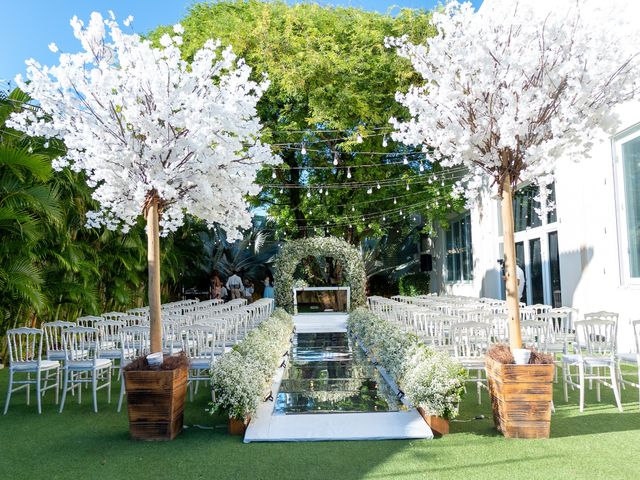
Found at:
(584, 254)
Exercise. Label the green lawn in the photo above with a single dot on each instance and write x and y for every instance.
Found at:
(599, 443)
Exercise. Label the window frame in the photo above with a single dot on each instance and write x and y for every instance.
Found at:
(466, 255)
(624, 254)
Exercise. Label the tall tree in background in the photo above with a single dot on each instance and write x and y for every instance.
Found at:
(153, 134)
(329, 71)
(509, 90)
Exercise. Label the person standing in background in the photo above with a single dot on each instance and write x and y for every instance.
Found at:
(268, 287)
(521, 281)
(216, 286)
(234, 285)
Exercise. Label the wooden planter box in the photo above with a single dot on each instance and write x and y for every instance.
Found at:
(521, 397)
(439, 425)
(155, 402)
(238, 427)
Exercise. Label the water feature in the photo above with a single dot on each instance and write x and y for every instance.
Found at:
(327, 373)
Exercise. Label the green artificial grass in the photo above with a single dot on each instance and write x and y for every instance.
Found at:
(599, 443)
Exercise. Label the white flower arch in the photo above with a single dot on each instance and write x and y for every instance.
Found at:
(294, 251)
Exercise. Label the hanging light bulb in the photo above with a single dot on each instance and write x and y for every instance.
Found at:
(348, 172)
(320, 190)
(384, 141)
(378, 185)
(273, 173)
(384, 218)
(282, 190)
(363, 219)
(369, 190)
(421, 167)
(350, 226)
(369, 225)
(327, 222)
(431, 179)
(448, 205)
(335, 158)
(395, 201)
(407, 185)
(308, 193)
(353, 209)
(359, 138)
(326, 192)
(303, 150)
(405, 160)
(442, 183)
(400, 211)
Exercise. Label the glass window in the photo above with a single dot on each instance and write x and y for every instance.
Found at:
(631, 171)
(526, 207)
(459, 253)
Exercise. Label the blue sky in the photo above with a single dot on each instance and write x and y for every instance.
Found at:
(28, 26)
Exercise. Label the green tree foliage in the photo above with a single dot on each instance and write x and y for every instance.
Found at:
(329, 71)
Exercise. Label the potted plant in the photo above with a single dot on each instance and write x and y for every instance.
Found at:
(155, 397)
(521, 393)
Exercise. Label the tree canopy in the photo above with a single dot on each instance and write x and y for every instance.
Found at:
(332, 81)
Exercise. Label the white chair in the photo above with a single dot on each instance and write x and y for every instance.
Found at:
(25, 357)
(200, 345)
(470, 341)
(632, 358)
(596, 352)
(88, 320)
(535, 333)
(110, 335)
(53, 338)
(83, 364)
(136, 342)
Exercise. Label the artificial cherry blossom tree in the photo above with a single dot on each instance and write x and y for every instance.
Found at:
(154, 135)
(511, 88)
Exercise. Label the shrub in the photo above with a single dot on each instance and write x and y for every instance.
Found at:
(414, 284)
(241, 377)
(430, 379)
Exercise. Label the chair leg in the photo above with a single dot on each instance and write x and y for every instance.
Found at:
(57, 384)
(64, 389)
(28, 389)
(109, 385)
(614, 386)
(598, 398)
(121, 394)
(564, 381)
(581, 374)
(38, 392)
(9, 391)
(94, 387)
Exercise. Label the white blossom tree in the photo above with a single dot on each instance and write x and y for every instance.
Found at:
(154, 135)
(511, 88)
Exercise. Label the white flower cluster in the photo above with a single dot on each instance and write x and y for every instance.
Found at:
(431, 380)
(140, 121)
(241, 376)
(294, 251)
(512, 87)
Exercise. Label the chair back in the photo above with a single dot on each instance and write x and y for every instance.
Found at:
(110, 332)
(113, 315)
(597, 337)
(136, 341)
(535, 333)
(470, 340)
(25, 345)
(200, 341)
(559, 334)
(53, 336)
(81, 343)
(88, 320)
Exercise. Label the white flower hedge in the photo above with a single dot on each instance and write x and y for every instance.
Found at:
(430, 379)
(294, 251)
(241, 377)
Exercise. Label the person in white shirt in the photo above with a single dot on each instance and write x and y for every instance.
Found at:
(234, 285)
(521, 281)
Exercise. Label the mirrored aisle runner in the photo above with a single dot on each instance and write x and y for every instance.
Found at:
(329, 391)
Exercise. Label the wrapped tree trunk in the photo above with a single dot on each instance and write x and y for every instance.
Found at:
(511, 278)
(153, 259)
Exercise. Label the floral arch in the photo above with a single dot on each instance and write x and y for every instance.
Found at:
(294, 251)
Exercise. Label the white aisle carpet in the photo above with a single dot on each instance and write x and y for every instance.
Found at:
(267, 427)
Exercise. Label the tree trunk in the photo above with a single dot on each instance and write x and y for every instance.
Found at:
(153, 259)
(511, 278)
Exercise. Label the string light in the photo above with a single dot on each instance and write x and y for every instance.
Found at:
(407, 185)
(359, 138)
(326, 192)
(335, 158)
(308, 193)
(378, 186)
(384, 141)
(421, 166)
(273, 174)
(395, 202)
(405, 160)
(348, 172)
(369, 191)
(303, 150)
(320, 190)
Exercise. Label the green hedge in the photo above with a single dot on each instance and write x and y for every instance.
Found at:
(414, 284)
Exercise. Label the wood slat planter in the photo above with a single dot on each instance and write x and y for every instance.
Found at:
(521, 397)
(155, 402)
(238, 427)
(439, 425)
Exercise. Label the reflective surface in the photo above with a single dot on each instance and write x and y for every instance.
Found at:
(327, 374)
